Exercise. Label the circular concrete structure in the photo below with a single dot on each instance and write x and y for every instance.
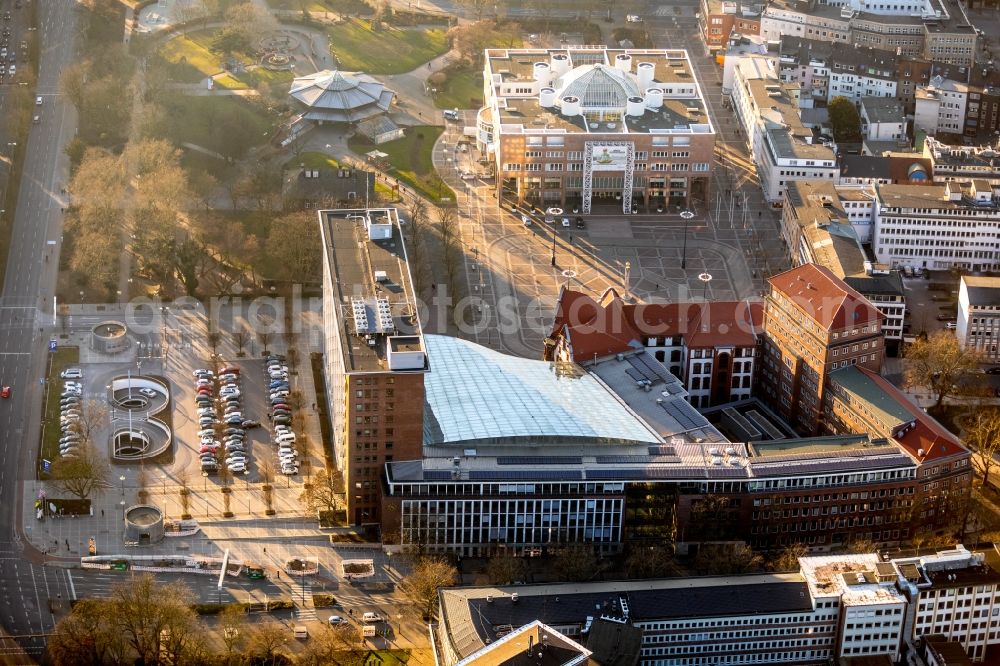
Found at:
(109, 337)
(143, 524)
(136, 432)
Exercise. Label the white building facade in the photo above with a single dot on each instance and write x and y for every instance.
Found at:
(978, 323)
(781, 147)
(937, 227)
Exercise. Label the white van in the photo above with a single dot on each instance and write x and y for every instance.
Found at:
(450, 115)
(300, 631)
(371, 618)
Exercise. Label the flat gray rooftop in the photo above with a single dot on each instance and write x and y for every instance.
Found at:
(368, 270)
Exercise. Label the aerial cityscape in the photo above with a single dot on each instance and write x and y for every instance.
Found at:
(500, 332)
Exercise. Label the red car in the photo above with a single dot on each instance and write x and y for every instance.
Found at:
(231, 370)
(5, 392)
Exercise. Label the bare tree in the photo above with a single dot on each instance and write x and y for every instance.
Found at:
(450, 246)
(88, 635)
(265, 639)
(421, 586)
(325, 493)
(787, 558)
(233, 623)
(651, 562)
(723, 559)
(982, 434)
(154, 618)
(504, 569)
(240, 338)
(939, 363)
(575, 562)
(83, 474)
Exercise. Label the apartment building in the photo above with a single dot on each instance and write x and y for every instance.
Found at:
(826, 70)
(940, 106)
(719, 19)
(782, 148)
(742, 46)
(978, 324)
(883, 118)
(374, 361)
(711, 347)
(834, 609)
(621, 129)
(813, 325)
(953, 225)
(821, 223)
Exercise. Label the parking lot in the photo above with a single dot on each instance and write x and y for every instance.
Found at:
(172, 349)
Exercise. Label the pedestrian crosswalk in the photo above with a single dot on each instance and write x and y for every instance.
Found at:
(303, 597)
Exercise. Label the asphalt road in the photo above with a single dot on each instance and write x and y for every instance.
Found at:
(25, 309)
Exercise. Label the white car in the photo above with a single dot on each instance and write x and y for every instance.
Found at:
(525, 220)
(202, 372)
(237, 468)
(71, 373)
(70, 384)
(38, 100)
(633, 18)
(149, 393)
(468, 175)
(565, 222)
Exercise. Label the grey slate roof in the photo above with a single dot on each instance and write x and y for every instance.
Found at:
(335, 96)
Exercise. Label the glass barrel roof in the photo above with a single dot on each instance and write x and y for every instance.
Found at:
(474, 394)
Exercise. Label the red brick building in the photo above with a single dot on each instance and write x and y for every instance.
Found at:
(710, 347)
(813, 324)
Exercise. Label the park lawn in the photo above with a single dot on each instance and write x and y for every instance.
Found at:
(190, 56)
(410, 160)
(211, 122)
(354, 7)
(389, 51)
(463, 90)
(63, 358)
(315, 160)
(230, 82)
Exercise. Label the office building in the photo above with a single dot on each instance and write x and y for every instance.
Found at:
(823, 224)
(962, 163)
(936, 30)
(813, 324)
(374, 357)
(782, 148)
(719, 19)
(597, 129)
(954, 600)
(859, 400)
(834, 609)
(978, 323)
(711, 347)
(939, 227)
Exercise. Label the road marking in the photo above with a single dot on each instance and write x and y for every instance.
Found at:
(72, 588)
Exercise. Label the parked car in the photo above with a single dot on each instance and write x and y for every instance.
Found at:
(231, 370)
(250, 424)
(71, 373)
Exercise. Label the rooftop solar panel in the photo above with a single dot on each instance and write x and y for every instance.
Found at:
(685, 415)
(539, 460)
(437, 475)
(624, 460)
(661, 450)
(525, 475)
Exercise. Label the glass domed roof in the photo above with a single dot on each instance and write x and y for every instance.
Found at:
(597, 86)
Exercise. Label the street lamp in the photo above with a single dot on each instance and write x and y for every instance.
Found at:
(164, 479)
(686, 215)
(705, 279)
(122, 479)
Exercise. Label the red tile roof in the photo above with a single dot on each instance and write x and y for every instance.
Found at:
(928, 435)
(591, 327)
(824, 297)
(611, 326)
